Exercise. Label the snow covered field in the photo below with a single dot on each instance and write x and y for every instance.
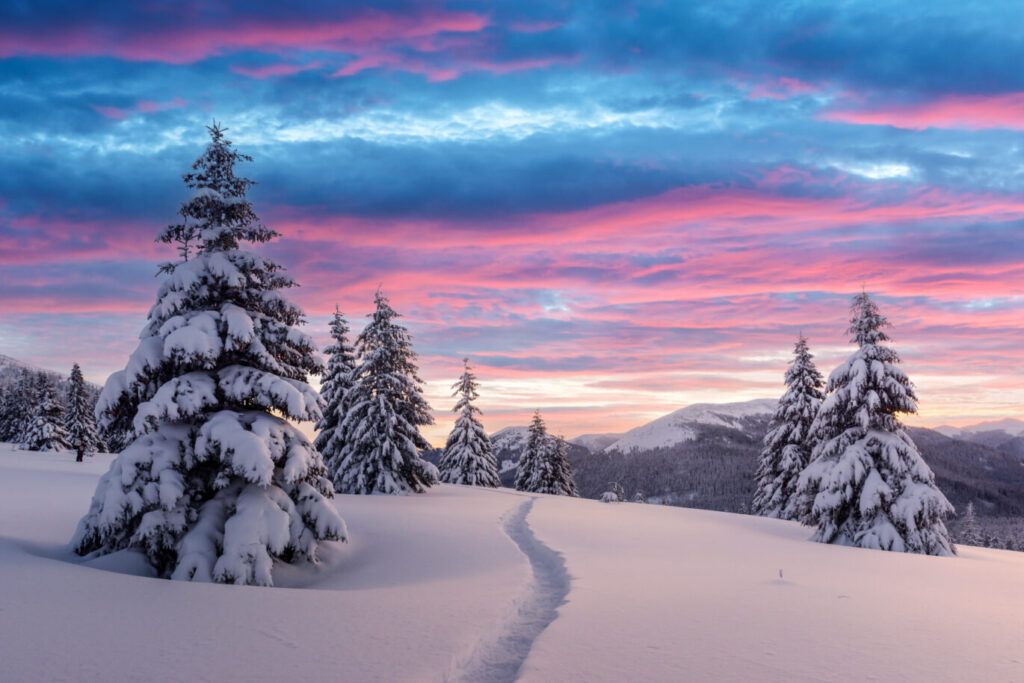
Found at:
(464, 584)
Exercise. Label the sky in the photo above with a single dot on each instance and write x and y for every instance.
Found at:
(613, 209)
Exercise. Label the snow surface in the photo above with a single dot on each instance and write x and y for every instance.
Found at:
(678, 426)
(474, 584)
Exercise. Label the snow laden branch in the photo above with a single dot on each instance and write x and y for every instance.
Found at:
(215, 484)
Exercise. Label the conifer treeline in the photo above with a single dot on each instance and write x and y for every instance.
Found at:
(42, 411)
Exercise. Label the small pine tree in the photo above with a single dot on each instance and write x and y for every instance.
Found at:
(544, 465)
(639, 497)
(530, 461)
(334, 390)
(46, 430)
(81, 420)
(787, 445)
(217, 483)
(385, 409)
(970, 530)
(870, 486)
(467, 457)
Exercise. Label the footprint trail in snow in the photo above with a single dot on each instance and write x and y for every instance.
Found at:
(499, 659)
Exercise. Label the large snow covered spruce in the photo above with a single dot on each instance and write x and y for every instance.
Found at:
(867, 484)
(216, 485)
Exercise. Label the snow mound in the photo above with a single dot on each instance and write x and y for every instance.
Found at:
(682, 425)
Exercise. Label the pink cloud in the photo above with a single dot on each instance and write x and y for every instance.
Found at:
(273, 70)
(781, 88)
(140, 107)
(187, 43)
(971, 112)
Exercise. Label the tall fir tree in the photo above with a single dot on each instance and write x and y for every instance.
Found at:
(217, 483)
(531, 459)
(45, 431)
(385, 408)
(869, 485)
(341, 363)
(80, 421)
(544, 465)
(467, 457)
(787, 445)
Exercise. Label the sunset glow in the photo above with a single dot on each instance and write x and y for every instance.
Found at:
(610, 222)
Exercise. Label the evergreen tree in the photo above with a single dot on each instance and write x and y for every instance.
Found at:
(335, 387)
(531, 459)
(870, 486)
(544, 465)
(467, 457)
(384, 411)
(216, 484)
(45, 432)
(970, 530)
(80, 423)
(787, 445)
(15, 407)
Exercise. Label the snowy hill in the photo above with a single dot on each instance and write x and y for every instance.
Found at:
(683, 424)
(595, 442)
(510, 439)
(1010, 425)
(466, 584)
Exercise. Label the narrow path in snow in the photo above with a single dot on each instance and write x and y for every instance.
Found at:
(497, 659)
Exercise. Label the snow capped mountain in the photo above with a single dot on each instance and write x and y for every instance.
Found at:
(1011, 425)
(596, 442)
(683, 424)
(510, 439)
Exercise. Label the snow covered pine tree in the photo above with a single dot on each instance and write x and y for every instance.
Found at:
(787, 445)
(544, 464)
(334, 389)
(385, 407)
(45, 432)
(215, 486)
(869, 485)
(467, 457)
(15, 407)
(80, 423)
(970, 530)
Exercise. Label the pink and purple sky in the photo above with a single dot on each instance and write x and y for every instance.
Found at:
(613, 209)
